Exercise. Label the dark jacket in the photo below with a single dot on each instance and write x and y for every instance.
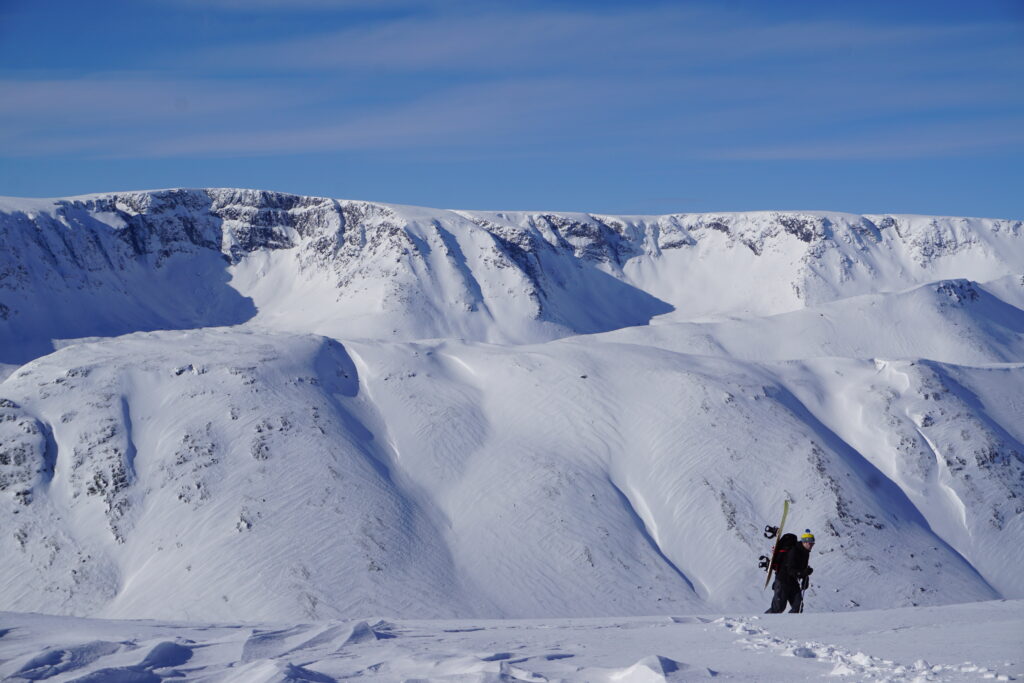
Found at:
(793, 563)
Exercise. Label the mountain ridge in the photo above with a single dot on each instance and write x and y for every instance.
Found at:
(507, 277)
(271, 406)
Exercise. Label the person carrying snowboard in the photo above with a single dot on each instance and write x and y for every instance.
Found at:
(791, 572)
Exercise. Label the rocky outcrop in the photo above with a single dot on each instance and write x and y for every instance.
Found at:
(175, 259)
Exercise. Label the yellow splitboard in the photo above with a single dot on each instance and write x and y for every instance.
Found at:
(778, 535)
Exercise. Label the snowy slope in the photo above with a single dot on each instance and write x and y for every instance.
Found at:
(221, 467)
(958, 321)
(270, 407)
(575, 478)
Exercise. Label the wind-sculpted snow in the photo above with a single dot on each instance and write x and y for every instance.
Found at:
(265, 406)
(956, 643)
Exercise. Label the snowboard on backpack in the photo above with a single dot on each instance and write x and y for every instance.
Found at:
(783, 543)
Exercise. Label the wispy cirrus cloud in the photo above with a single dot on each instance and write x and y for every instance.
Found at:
(666, 38)
(133, 95)
(494, 113)
(661, 80)
(49, 116)
(611, 97)
(919, 142)
(453, 117)
(320, 5)
(135, 117)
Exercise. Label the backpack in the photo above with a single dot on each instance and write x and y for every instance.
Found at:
(786, 544)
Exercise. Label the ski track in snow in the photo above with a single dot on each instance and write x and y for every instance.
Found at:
(860, 666)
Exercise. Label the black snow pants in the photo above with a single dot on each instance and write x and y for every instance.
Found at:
(787, 590)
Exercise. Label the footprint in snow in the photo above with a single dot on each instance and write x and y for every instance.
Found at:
(848, 663)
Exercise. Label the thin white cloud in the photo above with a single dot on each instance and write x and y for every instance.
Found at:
(488, 113)
(53, 116)
(660, 39)
(293, 5)
(913, 143)
(641, 80)
(476, 41)
(132, 117)
(491, 113)
(136, 95)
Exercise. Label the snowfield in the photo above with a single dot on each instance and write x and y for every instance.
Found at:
(406, 443)
(954, 643)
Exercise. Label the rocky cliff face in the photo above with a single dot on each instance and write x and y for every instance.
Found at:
(115, 263)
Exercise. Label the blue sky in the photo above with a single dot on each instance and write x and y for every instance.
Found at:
(614, 107)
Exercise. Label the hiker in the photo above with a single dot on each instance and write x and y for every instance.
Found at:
(791, 572)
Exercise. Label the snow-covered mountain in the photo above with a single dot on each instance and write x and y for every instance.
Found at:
(180, 259)
(227, 404)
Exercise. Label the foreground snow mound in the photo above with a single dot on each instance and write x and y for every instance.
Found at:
(957, 643)
(261, 475)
